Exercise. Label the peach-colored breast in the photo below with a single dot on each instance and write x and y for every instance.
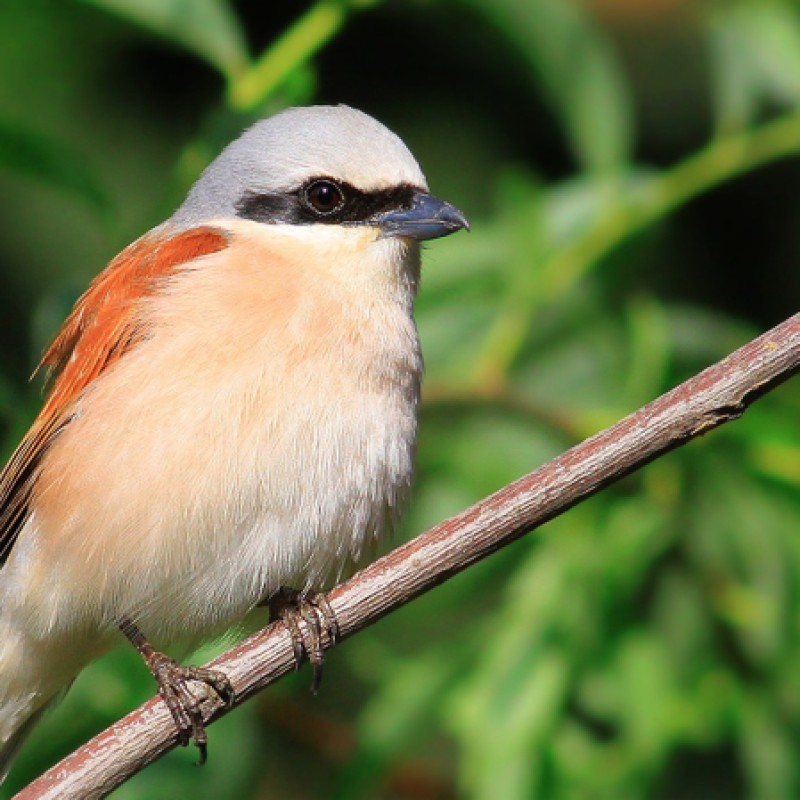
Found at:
(261, 429)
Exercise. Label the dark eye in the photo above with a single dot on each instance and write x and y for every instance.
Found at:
(324, 197)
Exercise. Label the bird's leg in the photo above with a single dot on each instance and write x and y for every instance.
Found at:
(173, 686)
(291, 606)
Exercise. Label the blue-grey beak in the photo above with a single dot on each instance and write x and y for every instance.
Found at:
(427, 217)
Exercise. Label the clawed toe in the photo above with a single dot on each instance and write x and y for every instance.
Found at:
(185, 704)
(291, 607)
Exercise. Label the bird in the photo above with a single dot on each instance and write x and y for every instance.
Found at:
(231, 412)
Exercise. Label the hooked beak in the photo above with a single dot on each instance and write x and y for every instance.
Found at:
(427, 217)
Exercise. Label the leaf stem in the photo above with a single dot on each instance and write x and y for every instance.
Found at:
(628, 213)
(298, 43)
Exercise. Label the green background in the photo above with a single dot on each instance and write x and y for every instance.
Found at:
(631, 171)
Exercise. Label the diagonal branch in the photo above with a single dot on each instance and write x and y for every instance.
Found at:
(717, 395)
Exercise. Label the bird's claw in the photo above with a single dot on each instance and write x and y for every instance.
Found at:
(184, 705)
(292, 608)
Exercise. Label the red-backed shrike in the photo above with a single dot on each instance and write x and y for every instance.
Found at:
(233, 410)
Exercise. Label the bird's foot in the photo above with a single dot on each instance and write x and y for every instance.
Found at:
(292, 608)
(184, 702)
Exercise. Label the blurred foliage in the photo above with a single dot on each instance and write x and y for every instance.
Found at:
(631, 169)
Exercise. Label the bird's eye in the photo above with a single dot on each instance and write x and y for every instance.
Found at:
(324, 197)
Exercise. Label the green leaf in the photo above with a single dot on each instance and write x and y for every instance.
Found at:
(769, 750)
(755, 51)
(208, 28)
(650, 350)
(579, 73)
(35, 156)
(732, 80)
(773, 32)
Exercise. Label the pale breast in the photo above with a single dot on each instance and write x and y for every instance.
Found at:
(283, 440)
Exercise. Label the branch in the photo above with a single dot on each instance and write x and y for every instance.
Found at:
(717, 395)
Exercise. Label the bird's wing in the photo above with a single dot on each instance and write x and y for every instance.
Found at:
(102, 327)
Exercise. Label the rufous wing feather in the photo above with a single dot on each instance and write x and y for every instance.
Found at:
(102, 327)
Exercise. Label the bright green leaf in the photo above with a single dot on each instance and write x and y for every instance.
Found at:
(209, 28)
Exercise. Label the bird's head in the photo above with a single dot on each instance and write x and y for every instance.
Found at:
(321, 165)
